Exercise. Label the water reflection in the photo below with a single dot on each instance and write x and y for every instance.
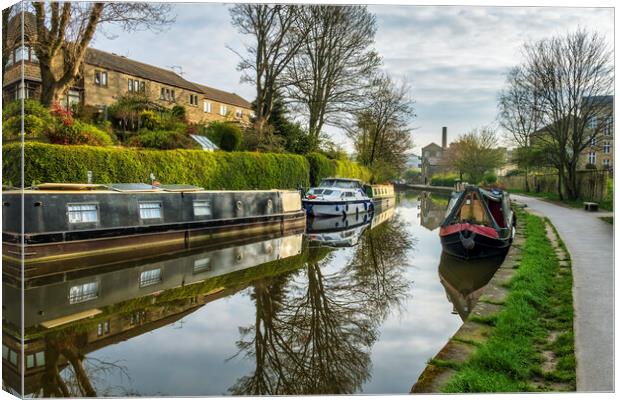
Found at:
(464, 280)
(287, 314)
(432, 210)
(314, 328)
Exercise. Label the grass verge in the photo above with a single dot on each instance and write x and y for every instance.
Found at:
(531, 347)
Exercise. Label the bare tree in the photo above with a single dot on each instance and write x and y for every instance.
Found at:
(277, 32)
(327, 76)
(380, 133)
(519, 114)
(569, 74)
(65, 30)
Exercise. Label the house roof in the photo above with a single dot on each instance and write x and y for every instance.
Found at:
(131, 67)
(431, 145)
(224, 97)
(125, 65)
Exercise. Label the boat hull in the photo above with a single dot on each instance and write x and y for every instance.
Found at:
(336, 208)
(468, 241)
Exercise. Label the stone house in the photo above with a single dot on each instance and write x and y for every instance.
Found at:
(433, 161)
(104, 77)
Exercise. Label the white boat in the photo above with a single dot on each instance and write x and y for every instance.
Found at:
(337, 196)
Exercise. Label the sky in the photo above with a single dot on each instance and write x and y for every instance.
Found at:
(454, 58)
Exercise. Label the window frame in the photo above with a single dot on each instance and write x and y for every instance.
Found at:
(161, 210)
(207, 205)
(149, 280)
(68, 212)
(223, 110)
(103, 78)
(206, 106)
(81, 297)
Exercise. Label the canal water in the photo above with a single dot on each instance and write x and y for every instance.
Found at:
(353, 306)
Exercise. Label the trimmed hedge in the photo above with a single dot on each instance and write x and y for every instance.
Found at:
(323, 167)
(444, 180)
(211, 170)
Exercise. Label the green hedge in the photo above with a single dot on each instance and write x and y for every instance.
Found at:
(211, 170)
(323, 167)
(444, 180)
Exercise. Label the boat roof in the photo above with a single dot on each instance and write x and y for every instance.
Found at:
(341, 179)
(119, 188)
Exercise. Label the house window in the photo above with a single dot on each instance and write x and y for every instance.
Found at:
(252, 114)
(593, 122)
(11, 59)
(606, 147)
(606, 163)
(142, 86)
(202, 208)
(591, 157)
(206, 106)
(193, 99)
(21, 53)
(238, 113)
(150, 209)
(593, 141)
(134, 85)
(33, 56)
(72, 98)
(80, 213)
(150, 277)
(609, 125)
(84, 292)
(9, 354)
(162, 94)
(101, 78)
(202, 264)
(223, 110)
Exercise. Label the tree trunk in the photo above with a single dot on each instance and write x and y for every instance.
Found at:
(51, 91)
(527, 184)
(560, 175)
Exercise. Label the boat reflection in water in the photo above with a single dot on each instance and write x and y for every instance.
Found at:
(464, 280)
(312, 325)
(343, 231)
(67, 318)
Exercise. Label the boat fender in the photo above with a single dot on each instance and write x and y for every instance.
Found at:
(468, 242)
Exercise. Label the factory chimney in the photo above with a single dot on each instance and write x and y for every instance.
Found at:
(444, 137)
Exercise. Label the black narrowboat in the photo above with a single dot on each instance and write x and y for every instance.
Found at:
(107, 223)
(479, 223)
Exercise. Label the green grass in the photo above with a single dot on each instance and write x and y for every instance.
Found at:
(609, 220)
(539, 303)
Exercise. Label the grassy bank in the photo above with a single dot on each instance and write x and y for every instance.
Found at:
(211, 170)
(531, 345)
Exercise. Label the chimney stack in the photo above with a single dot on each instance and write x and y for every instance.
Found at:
(444, 137)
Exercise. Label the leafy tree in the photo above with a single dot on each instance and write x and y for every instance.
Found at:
(475, 154)
(226, 135)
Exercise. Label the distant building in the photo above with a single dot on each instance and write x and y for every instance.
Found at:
(433, 161)
(600, 153)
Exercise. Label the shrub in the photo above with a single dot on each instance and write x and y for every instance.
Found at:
(161, 139)
(150, 120)
(489, 179)
(227, 136)
(322, 167)
(37, 120)
(179, 112)
(444, 180)
(79, 133)
(211, 170)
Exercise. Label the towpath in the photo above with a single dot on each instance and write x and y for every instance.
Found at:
(590, 243)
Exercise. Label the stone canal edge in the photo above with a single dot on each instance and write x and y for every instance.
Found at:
(461, 345)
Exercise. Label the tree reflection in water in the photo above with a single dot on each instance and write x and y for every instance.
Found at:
(314, 328)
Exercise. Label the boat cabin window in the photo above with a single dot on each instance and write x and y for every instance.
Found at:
(81, 213)
(327, 192)
(202, 264)
(150, 277)
(150, 209)
(83, 292)
(202, 208)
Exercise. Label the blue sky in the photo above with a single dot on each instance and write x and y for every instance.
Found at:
(453, 57)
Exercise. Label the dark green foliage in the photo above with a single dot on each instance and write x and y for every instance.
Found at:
(444, 180)
(322, 167)
(179, 112)
(163, 140)
(37, 120)
(211, 170)
(489, 178)
(226, 135)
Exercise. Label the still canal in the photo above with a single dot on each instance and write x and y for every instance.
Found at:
(353, 309)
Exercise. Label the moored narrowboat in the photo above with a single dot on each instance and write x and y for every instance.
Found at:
(382, 195)
(479, 223)
(104, 223)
